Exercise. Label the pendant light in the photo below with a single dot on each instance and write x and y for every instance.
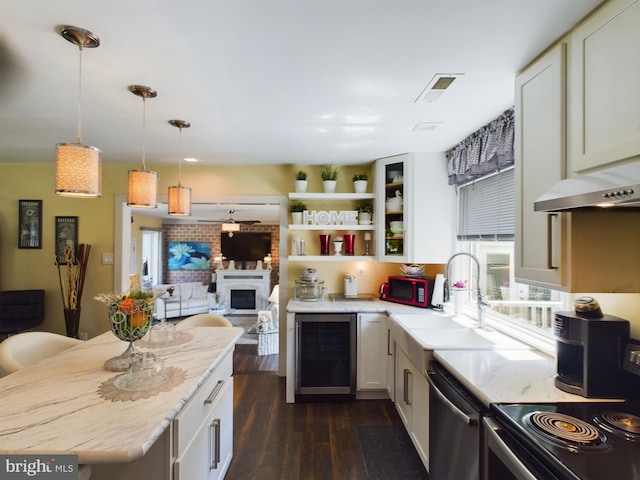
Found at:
(78, 167)
(143, 184)
(179, 196)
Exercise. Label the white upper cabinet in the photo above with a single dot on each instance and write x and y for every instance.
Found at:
(590, 250)
(415, 209)
(604, 122)
(540, 162)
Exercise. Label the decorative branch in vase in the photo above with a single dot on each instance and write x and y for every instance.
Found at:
(72, 285)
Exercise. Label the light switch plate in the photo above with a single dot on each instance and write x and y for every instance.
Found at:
(107, 259)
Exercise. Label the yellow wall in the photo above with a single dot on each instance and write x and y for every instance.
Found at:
(34, 268)
(26, 268)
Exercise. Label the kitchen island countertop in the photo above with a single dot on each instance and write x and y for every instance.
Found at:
(54, 407)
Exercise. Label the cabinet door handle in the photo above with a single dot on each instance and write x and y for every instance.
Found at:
(214, 444)
(389, 342)
(551, 217)
(214, 392)
(405, 387)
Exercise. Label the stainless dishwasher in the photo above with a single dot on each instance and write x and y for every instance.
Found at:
(455, 439)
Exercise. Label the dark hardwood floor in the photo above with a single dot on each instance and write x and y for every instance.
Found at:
(310, 441)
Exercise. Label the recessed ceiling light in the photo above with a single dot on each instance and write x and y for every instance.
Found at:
(191, 159)
(436, 87)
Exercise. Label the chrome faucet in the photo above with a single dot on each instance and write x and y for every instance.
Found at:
(481, 300)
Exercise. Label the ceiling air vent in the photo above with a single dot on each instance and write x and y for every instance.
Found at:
(436, 87)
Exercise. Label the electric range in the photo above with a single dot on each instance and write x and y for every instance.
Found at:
(575, 440)
(583, 440)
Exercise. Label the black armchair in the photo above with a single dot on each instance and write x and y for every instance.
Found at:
(20, 310)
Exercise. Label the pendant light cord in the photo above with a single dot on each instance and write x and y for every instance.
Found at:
(180, 160)
(144, 130)
(79, 140)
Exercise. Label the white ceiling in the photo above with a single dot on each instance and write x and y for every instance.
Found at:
(264, 81)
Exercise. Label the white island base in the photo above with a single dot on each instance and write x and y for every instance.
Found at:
(55, 408)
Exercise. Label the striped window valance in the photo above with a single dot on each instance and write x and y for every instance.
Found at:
(488, 150)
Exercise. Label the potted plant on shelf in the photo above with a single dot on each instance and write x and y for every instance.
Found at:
(365, 211)
(301, 181)
(296, 208)
(329, 175)
(360, 181)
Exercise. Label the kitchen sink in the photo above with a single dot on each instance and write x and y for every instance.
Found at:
(430, 321)
(418, 335)
(467, 338)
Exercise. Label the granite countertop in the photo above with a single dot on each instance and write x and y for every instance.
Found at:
(342, 305)
(54, 407)
(509, 372)
(507, 376)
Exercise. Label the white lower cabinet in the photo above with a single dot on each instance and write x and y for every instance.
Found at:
(198, 445)
(203, 431)
(372, 351)
(391, 364)
(412, 403)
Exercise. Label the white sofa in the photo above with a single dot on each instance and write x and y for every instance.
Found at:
(188, 299)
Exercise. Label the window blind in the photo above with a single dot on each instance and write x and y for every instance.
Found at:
(486, 208)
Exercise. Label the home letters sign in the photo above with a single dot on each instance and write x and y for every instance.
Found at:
(332, 217)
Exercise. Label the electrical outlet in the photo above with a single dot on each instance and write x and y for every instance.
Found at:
(83, 336)
(107, 259)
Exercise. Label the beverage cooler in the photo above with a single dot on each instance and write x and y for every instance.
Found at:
(325, 356)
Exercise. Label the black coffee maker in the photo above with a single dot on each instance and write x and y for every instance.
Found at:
(590, 350)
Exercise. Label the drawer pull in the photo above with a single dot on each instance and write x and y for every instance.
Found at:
(214, 444)
(214, 392)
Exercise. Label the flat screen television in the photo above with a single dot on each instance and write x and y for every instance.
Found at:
(245, 246)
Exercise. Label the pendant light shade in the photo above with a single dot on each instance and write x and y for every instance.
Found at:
(180, 201)
(78, 166)
(143, 183)
(78, 170)
(179, 196)
(143, 188)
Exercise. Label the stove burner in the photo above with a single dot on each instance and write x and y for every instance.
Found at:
(566, 431)
(622, 423)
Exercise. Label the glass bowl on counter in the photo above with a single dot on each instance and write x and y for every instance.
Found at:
(162, 333)
(146, 372)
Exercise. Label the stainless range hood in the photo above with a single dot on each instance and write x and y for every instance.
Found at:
(614, 187)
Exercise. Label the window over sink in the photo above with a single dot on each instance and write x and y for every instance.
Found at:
(485, 230)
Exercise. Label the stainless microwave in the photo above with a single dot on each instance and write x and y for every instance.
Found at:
(412, 291)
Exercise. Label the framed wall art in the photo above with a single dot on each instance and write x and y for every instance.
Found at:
(189, 256)
(29, 223)
(66, 235)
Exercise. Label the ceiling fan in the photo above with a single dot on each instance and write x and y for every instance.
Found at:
(231, 221)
